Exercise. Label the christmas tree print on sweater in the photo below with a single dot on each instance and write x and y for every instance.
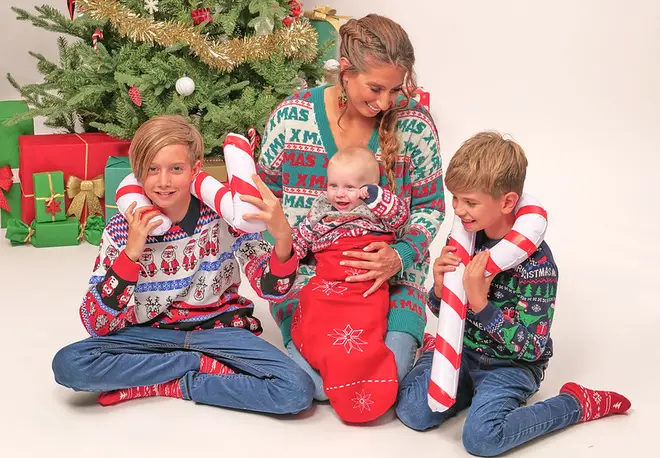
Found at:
(516, 322)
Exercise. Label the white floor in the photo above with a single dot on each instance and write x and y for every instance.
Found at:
(601, 340)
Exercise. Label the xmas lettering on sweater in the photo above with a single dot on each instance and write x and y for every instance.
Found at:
(297, 145)
(521, 303)
(185, 280)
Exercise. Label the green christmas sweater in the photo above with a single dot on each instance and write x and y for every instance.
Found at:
(297, 145)
(521, 303)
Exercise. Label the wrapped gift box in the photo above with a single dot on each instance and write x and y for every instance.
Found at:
(9, 154)
(49, 197)
(116, 169)
(82, 159)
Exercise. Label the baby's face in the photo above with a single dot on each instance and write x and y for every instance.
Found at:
(343, 185)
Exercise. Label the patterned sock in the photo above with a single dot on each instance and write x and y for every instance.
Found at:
(428, 343)
(209, 365)
(596, 404)
(170, 389)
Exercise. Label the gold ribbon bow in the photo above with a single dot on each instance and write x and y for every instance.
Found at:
(85, 191)
(325, 13)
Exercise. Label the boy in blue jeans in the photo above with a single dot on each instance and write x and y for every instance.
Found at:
(164, 313)
(507, 342)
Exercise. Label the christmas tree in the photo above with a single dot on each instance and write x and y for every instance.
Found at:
(224, 64)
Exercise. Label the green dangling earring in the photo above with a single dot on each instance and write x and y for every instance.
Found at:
(342, 100)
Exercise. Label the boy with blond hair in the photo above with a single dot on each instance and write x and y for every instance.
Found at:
(179, 328)
(507, 343)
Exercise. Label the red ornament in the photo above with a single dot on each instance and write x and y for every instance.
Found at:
(71, 5)
(5, 183)
(201, 15)
(287, 21)
(134, 94)
(295, 7)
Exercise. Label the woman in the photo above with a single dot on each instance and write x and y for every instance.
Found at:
(370, 107)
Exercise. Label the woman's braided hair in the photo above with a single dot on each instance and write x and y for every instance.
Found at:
(378, 40)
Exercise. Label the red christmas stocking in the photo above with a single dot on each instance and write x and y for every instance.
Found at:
(342, 334)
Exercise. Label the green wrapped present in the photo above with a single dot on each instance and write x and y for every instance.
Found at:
(92, 230)
(9, 155)
(326, 23)
(49, 197)
(43, 235)
(116, 169)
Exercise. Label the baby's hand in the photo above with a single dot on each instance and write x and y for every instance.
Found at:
(363, 193)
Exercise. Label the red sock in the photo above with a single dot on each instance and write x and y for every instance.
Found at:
(209, 365)
(170, 389)
(596, 404)
(428, 343)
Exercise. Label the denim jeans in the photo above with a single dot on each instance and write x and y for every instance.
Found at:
(266, 379)
(495, 391)
(402, 344)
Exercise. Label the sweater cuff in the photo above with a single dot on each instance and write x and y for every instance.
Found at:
(487, 315)
(406, 253)
(125, 268)
(374, 191)
(434, 302)
(280, 269)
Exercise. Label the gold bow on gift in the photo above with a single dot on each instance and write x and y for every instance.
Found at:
(82, 191)
(325, 13)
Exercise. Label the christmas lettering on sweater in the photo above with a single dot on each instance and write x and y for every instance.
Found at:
(297, 145)
(521, 303)
(185, 280)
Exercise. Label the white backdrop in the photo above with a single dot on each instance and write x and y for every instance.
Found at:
(577, 84)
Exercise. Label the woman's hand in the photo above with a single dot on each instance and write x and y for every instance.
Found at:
(273, 217)
(379, 258)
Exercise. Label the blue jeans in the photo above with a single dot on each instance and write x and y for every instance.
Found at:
(402, 344)
(495, 390)
(267, 380)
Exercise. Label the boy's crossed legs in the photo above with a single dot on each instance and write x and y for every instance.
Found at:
(145, 361)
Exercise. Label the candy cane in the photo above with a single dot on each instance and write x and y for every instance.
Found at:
(96, 36)
(223, 200)
(254, 138)
(520, 243)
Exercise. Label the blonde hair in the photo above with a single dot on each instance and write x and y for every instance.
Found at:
(487, 163)
(376, 39)
(361, 158)
(156, 134)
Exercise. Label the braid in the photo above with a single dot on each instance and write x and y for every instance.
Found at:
(375, 38)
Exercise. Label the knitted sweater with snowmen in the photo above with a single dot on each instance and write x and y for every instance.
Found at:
(187, 279)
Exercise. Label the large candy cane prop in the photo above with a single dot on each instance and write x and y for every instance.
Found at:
(520, 243)
(223, 200)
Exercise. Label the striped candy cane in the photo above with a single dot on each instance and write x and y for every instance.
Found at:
(223, 200)
(253, 135)
(96, 36)
(520, 243)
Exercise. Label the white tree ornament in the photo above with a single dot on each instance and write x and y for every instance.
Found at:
(151, 6)
(185, 86)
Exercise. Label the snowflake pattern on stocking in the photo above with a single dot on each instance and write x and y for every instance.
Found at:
(362, 401)
(349, 338)
(330, 287)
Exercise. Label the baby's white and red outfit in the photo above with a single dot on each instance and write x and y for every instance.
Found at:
(335, 328)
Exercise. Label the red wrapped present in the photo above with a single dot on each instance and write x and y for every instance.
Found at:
(423, 98)
(82, 158)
